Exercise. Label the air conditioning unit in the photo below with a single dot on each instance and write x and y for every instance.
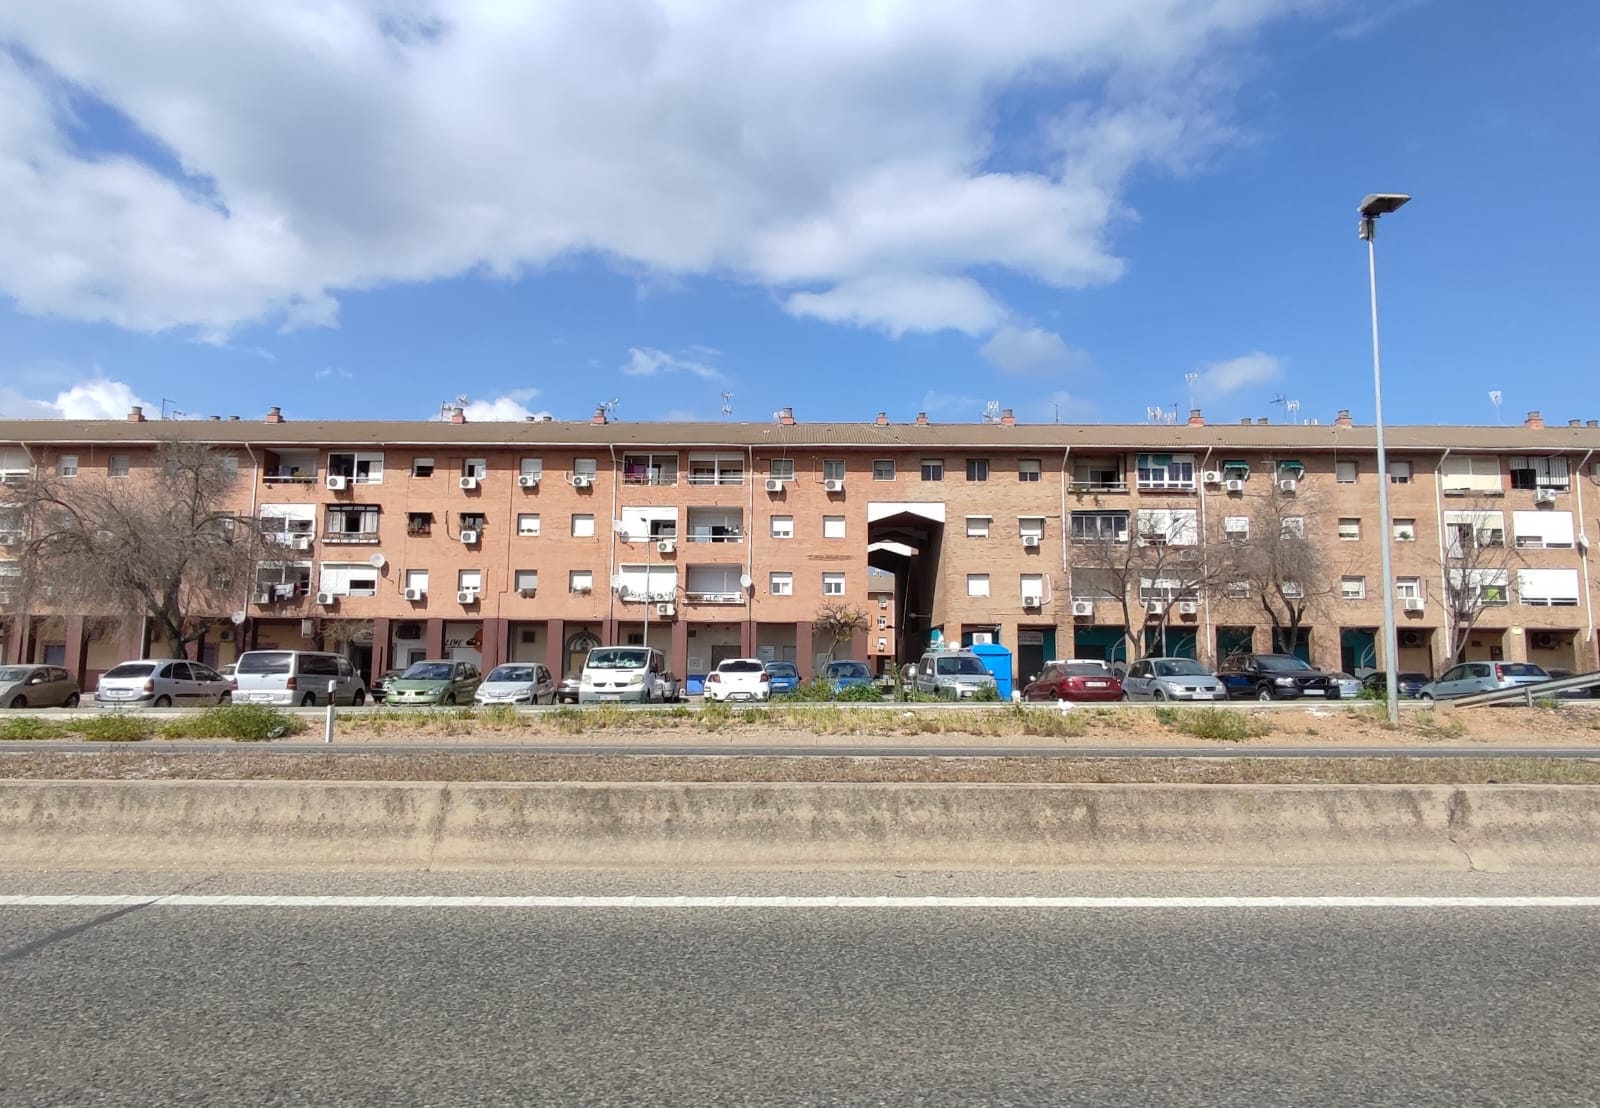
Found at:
(1213, 477)
(327, 598)
(300, 542)
(528, 481)
(1188, 608)
(467, 596)
(1032, 600)
(338, 482)
(666, 609)
(1083, 608)
(1544, 640)
(1156, 607)
(226, 634)
(467, 484)
(1234, 484)
(1411, 638)
(469, 538)
(1288, 484)
(581, 480)
(1412, 603)
(666, 546)
(774, 485)
(415, 594)
(1544, 496)
(833, 485)
(1030, 542)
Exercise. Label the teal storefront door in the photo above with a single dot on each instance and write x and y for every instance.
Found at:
(1035, 647)
(1104, 643)
(1178, 642)
(1358, 649)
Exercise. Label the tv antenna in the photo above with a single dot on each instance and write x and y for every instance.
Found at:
(447, 407)
(173, 413)
(609, 407)
(1157, 414)
(727, 404)
(1189, 379)
(1495, 396)
(991, 411)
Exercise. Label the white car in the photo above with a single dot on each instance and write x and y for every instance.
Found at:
(739, 679)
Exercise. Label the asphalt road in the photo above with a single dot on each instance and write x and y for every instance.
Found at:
(455, 1005)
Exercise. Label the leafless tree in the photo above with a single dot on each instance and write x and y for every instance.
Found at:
(1477, 567)
(1283, 556)
(839, 621)
(161, 542)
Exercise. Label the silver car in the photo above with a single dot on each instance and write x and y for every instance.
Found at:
(517, 683)
(37, 687)
(161, 683)
(1171, 679)
(952, 673)
(1469, 678)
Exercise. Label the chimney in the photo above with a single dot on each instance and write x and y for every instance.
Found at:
(1343, 419)
(136, 414)
(1262, 422)
(233, 419)
(786, 416)
(1534, 422)
(1245, 422)
(1574, 423)
(1591, 423)
(215, 419)
(922, 419)
(1008, 417)
(458, 415)
(883, 419)
(599, 416)
(275, 415)
(1195, 418)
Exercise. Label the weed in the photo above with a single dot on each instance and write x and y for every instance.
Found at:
(568, 720)
(1548, 703)
(859, 694)
(21, 727)
(1165, 716)
(500, 715)
(114, 728)
(247, 723)
(1220, 724)
(1431, 725)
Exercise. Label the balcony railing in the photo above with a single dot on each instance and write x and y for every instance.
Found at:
(300, 478)
(350, 538)
(716, 478)
(731, 536)
(693, 597)
(1098, 486)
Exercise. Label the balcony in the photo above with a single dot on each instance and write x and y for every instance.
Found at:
(713, 597)
(351, 538)
(715, 525)
(290, 467)
(650, 469)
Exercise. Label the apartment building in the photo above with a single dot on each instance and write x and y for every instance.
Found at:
(537, 540)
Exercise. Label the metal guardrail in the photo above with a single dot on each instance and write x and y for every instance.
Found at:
(1525, 693)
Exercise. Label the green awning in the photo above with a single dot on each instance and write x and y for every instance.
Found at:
(1291, 464)
(1237, 464)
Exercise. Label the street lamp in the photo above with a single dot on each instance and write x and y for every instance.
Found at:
(1375, 205)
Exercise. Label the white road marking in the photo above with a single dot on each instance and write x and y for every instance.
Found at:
(184, 900)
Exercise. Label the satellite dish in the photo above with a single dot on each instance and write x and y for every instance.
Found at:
(745, 580)
(377, 561)
(620, 526)
(238, 617)
(617, 582)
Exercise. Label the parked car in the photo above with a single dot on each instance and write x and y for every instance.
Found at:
(1410, 683)
(1592, 692)
(437, 681)
(380, 684)
(161, 683)
(1271, 677)
(1468, 678)
(1073, 681)
(517, 683)
(846, 674)
(567, 691)
(1344, 686)
(669, 690)
(739, 679)
(617, 673)
(956, 674)
(1171, 679)
(37, 687)
(227, 670)
(785, 677)
(296, 677)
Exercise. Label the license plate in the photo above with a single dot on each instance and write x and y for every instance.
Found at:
(609, 696)
(1095, 684)
(1314, 692)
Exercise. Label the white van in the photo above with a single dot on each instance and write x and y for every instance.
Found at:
(618, 673)
(296, 677)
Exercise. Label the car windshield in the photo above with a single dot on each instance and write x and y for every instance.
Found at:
(428, 671)
(13, 673)
(782, 669)
(1282, 663)
(958, 667)
(389, 674)
(1422, 678)
(741, 667)
(131, 669)
(266, 661)
(618, 659)
(1521, 669)
(1083, 669)
(837, 670)
(510, 673)
(1180, 667)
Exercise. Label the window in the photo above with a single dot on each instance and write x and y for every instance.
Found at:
(1399, 473)
(649, 469)
(1404, 530)
(1477, 587)
(469, 580)
(355, 523)
(419, 525)
(348, 579)
(67, 466)
(359, 469)
(977, 584)
(1542, 530)
(780, 584)
(833, 527)
(715, 525)
(1236, 590)
(1236, 528)
(1462, 474)
(714, 584)
(1028, 469)
(782, 527)
(1099, 526)
(1349, 529)
(781, 469)
(117, 465)
(580, 581)
(655, 583)
(648, 523)
(583, 526)
(716, 469)
(1094, 584)
(1173, 472)
(1031, 527)
(585, 467)
(422, 467)
(417, 579)
(526, 580)
(13, 463)
(1353, 588)
(475, 467)
(1175, 528)
(473, 521)
(978, 527)
(282, 524)
(933, 469)
(531, 467)
(1292, 527)
(1465, 531)
(1031, 586)
(833, 469)
(1103, 474)
(1344, 473)
(1531, 472)
(1292, 591)
(528, 524)
(1408, 588)
(833, 584)
(1548, 587)
(883, 469)
(977, 469)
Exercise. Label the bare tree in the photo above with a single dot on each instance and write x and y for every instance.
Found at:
(1477, 566)
(839, 622)
(1281, 553)
(160, 542)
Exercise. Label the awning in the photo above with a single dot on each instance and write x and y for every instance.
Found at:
(1291, 464)
(1237, 463)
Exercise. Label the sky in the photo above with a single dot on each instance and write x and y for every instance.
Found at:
(711, 209)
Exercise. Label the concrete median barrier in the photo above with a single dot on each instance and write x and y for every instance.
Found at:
(290, 825)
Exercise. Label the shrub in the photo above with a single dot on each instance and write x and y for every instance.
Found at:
(859, 694)
(248, 723)
(24, 727)
(986, 694)
(114, 728)
(1220, 724)
(814, 691)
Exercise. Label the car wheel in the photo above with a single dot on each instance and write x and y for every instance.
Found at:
(224, 700)
(1428, 696)
(358, 699)
(71, 701)
(1265, 693)
(162, 702)
(309, 700)
(450, 700)
(19, 702)
(1160, 693)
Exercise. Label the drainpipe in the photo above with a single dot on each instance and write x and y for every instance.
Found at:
(1066, 539)
(750, 547)
(255, 517)
(1583, 551)
(611, 570)
(1444, 561)
(1205, 566)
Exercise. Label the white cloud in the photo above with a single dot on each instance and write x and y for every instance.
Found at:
(97, 398)
(963, 409)
(840, 154)
(507, 408)
(1023, 350)
(328, 372)
(646, 361)
(1221, 378)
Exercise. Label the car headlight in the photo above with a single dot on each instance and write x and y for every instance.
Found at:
(1283, 680)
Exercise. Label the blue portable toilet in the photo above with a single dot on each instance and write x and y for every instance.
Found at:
(997, 660)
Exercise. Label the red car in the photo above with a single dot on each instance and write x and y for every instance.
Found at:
(1073, 681)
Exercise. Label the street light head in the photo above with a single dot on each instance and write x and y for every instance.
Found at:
(1382, 203)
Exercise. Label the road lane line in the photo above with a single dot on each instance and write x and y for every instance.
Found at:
(185, 900)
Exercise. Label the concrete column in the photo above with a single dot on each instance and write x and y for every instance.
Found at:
(747, 638)
(680, 648)
(555, 647)
(608, 631)
(77, 649)
(494, 642)
(435, 638)
(802, 648)
(16, 639)
(382, 638)
(857, 646)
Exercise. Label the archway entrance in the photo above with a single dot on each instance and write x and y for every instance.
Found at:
(903, 539)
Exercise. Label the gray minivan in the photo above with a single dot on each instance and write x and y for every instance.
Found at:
(957, 674)
(289, 677)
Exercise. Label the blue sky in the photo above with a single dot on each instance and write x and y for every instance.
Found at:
(363, 210)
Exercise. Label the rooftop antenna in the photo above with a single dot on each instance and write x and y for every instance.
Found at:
(447, 407)
(1290, 407)
(1189, 379)
(609, 407)
(991, 411)
(1157, 414)
(173, 413)
(727, 404)
(1495, 397)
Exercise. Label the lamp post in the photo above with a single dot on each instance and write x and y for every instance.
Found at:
(1375, 205)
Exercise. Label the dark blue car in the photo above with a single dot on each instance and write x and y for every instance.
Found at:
(842, 675)
(785, 677)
